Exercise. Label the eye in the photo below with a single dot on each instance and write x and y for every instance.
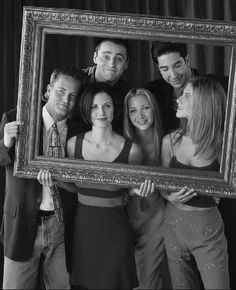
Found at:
(106, 57)
(187, 97)
(146, 107)
(132, 111)
(94, 107)
(107, 106)
(178, 65)
(61, 91)
(164, 69)
(73, 96)
(119, 59)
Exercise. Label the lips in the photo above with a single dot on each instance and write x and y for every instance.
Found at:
(179, 82)
(142, 122)
(113, 71)
(63, 106)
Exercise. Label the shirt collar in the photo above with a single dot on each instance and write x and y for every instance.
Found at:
(48, 120)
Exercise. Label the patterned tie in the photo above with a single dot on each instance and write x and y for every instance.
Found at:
(54, 149)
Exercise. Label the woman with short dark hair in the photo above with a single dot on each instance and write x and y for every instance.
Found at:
(103, 255)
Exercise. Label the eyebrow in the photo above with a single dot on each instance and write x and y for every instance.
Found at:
(62, 88)
(109, 102)
(121, 54)
(187, 94)
(166, 66)
(143, 105)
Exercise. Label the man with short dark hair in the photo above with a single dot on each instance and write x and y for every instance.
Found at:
(111, 59)
(173, 63)
(31, 230)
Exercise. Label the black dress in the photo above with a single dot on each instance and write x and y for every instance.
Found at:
(103, 255)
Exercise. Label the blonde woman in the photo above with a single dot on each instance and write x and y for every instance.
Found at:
(193, 227)
(143, 126)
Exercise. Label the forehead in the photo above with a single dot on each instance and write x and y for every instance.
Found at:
(66, 81)
(102, 97)
(113, 48)
(169, 59)
(138, 100)
(188, 89)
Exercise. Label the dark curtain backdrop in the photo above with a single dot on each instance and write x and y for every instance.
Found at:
(207, 59)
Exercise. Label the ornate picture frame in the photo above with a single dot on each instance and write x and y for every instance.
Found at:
(39, 22)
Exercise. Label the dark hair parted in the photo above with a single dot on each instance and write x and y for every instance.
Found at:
(119, 41)
(159, 48)
(88, 95)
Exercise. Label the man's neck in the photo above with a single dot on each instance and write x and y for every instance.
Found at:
(100, 79)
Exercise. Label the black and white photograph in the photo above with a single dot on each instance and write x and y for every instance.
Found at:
(117, 144)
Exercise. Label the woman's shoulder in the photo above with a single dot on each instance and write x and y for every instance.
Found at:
(71, 140)
(136, 155)
(71, 144)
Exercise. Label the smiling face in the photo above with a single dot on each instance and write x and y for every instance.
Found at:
(102, 110)
(174, 69)
(62, 95)
(140, 112)
(185, 103)
(111, 60)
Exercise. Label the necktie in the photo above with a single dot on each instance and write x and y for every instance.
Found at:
(54, 149)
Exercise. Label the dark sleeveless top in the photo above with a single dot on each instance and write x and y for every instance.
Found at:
(199, 200)
(123, 157)
(103, 254)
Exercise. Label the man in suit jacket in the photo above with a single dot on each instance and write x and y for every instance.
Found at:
(30, 230)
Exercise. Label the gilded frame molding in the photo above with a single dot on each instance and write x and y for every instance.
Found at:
(38, 22)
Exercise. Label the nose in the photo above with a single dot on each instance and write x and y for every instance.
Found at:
(112, 61)
(140, 114)
(173, 73)
(180, 99)
(101, 110)
(66, 98)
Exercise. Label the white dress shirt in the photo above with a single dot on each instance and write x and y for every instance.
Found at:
(48, 121)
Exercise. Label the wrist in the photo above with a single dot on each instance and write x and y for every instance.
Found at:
(6, 147)
(131, 191)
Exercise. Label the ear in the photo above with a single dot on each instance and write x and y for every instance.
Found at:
(49, 88)
(187, 60)
(48, 92)
(95, 57)
(127, 64)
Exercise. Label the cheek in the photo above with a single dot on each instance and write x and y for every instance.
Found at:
(131, 117)
(121, 67)
(164, 75)
(111, 113)
(92, 114)
(151, 118)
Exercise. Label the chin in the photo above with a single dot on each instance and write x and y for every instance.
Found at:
(179, 115)
(143, 128)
